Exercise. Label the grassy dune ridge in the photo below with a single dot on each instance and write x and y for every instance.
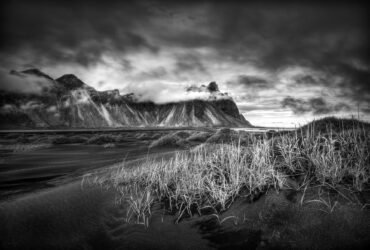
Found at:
(210, 177)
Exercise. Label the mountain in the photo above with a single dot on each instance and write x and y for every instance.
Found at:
(68, 102)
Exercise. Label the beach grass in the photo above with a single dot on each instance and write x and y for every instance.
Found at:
(210, 177)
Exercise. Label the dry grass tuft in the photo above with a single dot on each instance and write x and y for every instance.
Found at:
(333, 158)
(206, 177)
(211, 176)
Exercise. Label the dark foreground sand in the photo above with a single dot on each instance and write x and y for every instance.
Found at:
(87, 217)
(74, 217)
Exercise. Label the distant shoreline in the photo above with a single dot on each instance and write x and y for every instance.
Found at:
(96, 130)
(143, 129)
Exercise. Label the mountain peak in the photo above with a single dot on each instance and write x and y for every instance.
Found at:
(213, 87)
(70, 81)
(69, 102)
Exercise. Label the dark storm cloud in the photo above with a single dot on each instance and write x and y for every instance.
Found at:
(316, 106)
(269, 34)
(252, 81)
(189, 62)
(24, 83)
(310, 80)
(355, 83)
(319, 36)
(156, 73)
(332, 38)
(126, 65)
(54, 32)
(365, 110)
(251, 84)
(314, 35)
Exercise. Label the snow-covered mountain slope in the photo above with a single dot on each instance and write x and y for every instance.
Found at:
(67, 102)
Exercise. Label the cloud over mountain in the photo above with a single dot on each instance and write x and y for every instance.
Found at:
(21, 82)
(170, 93)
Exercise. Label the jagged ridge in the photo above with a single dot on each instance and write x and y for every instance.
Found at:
(71, 103)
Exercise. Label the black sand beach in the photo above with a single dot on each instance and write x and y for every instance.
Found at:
(85, 217)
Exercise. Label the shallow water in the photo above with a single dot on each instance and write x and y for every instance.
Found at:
(27, 171)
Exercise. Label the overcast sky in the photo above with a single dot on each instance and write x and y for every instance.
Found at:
(284, 64)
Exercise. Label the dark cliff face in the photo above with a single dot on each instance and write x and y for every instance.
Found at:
(229, 107)
(69, 102)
